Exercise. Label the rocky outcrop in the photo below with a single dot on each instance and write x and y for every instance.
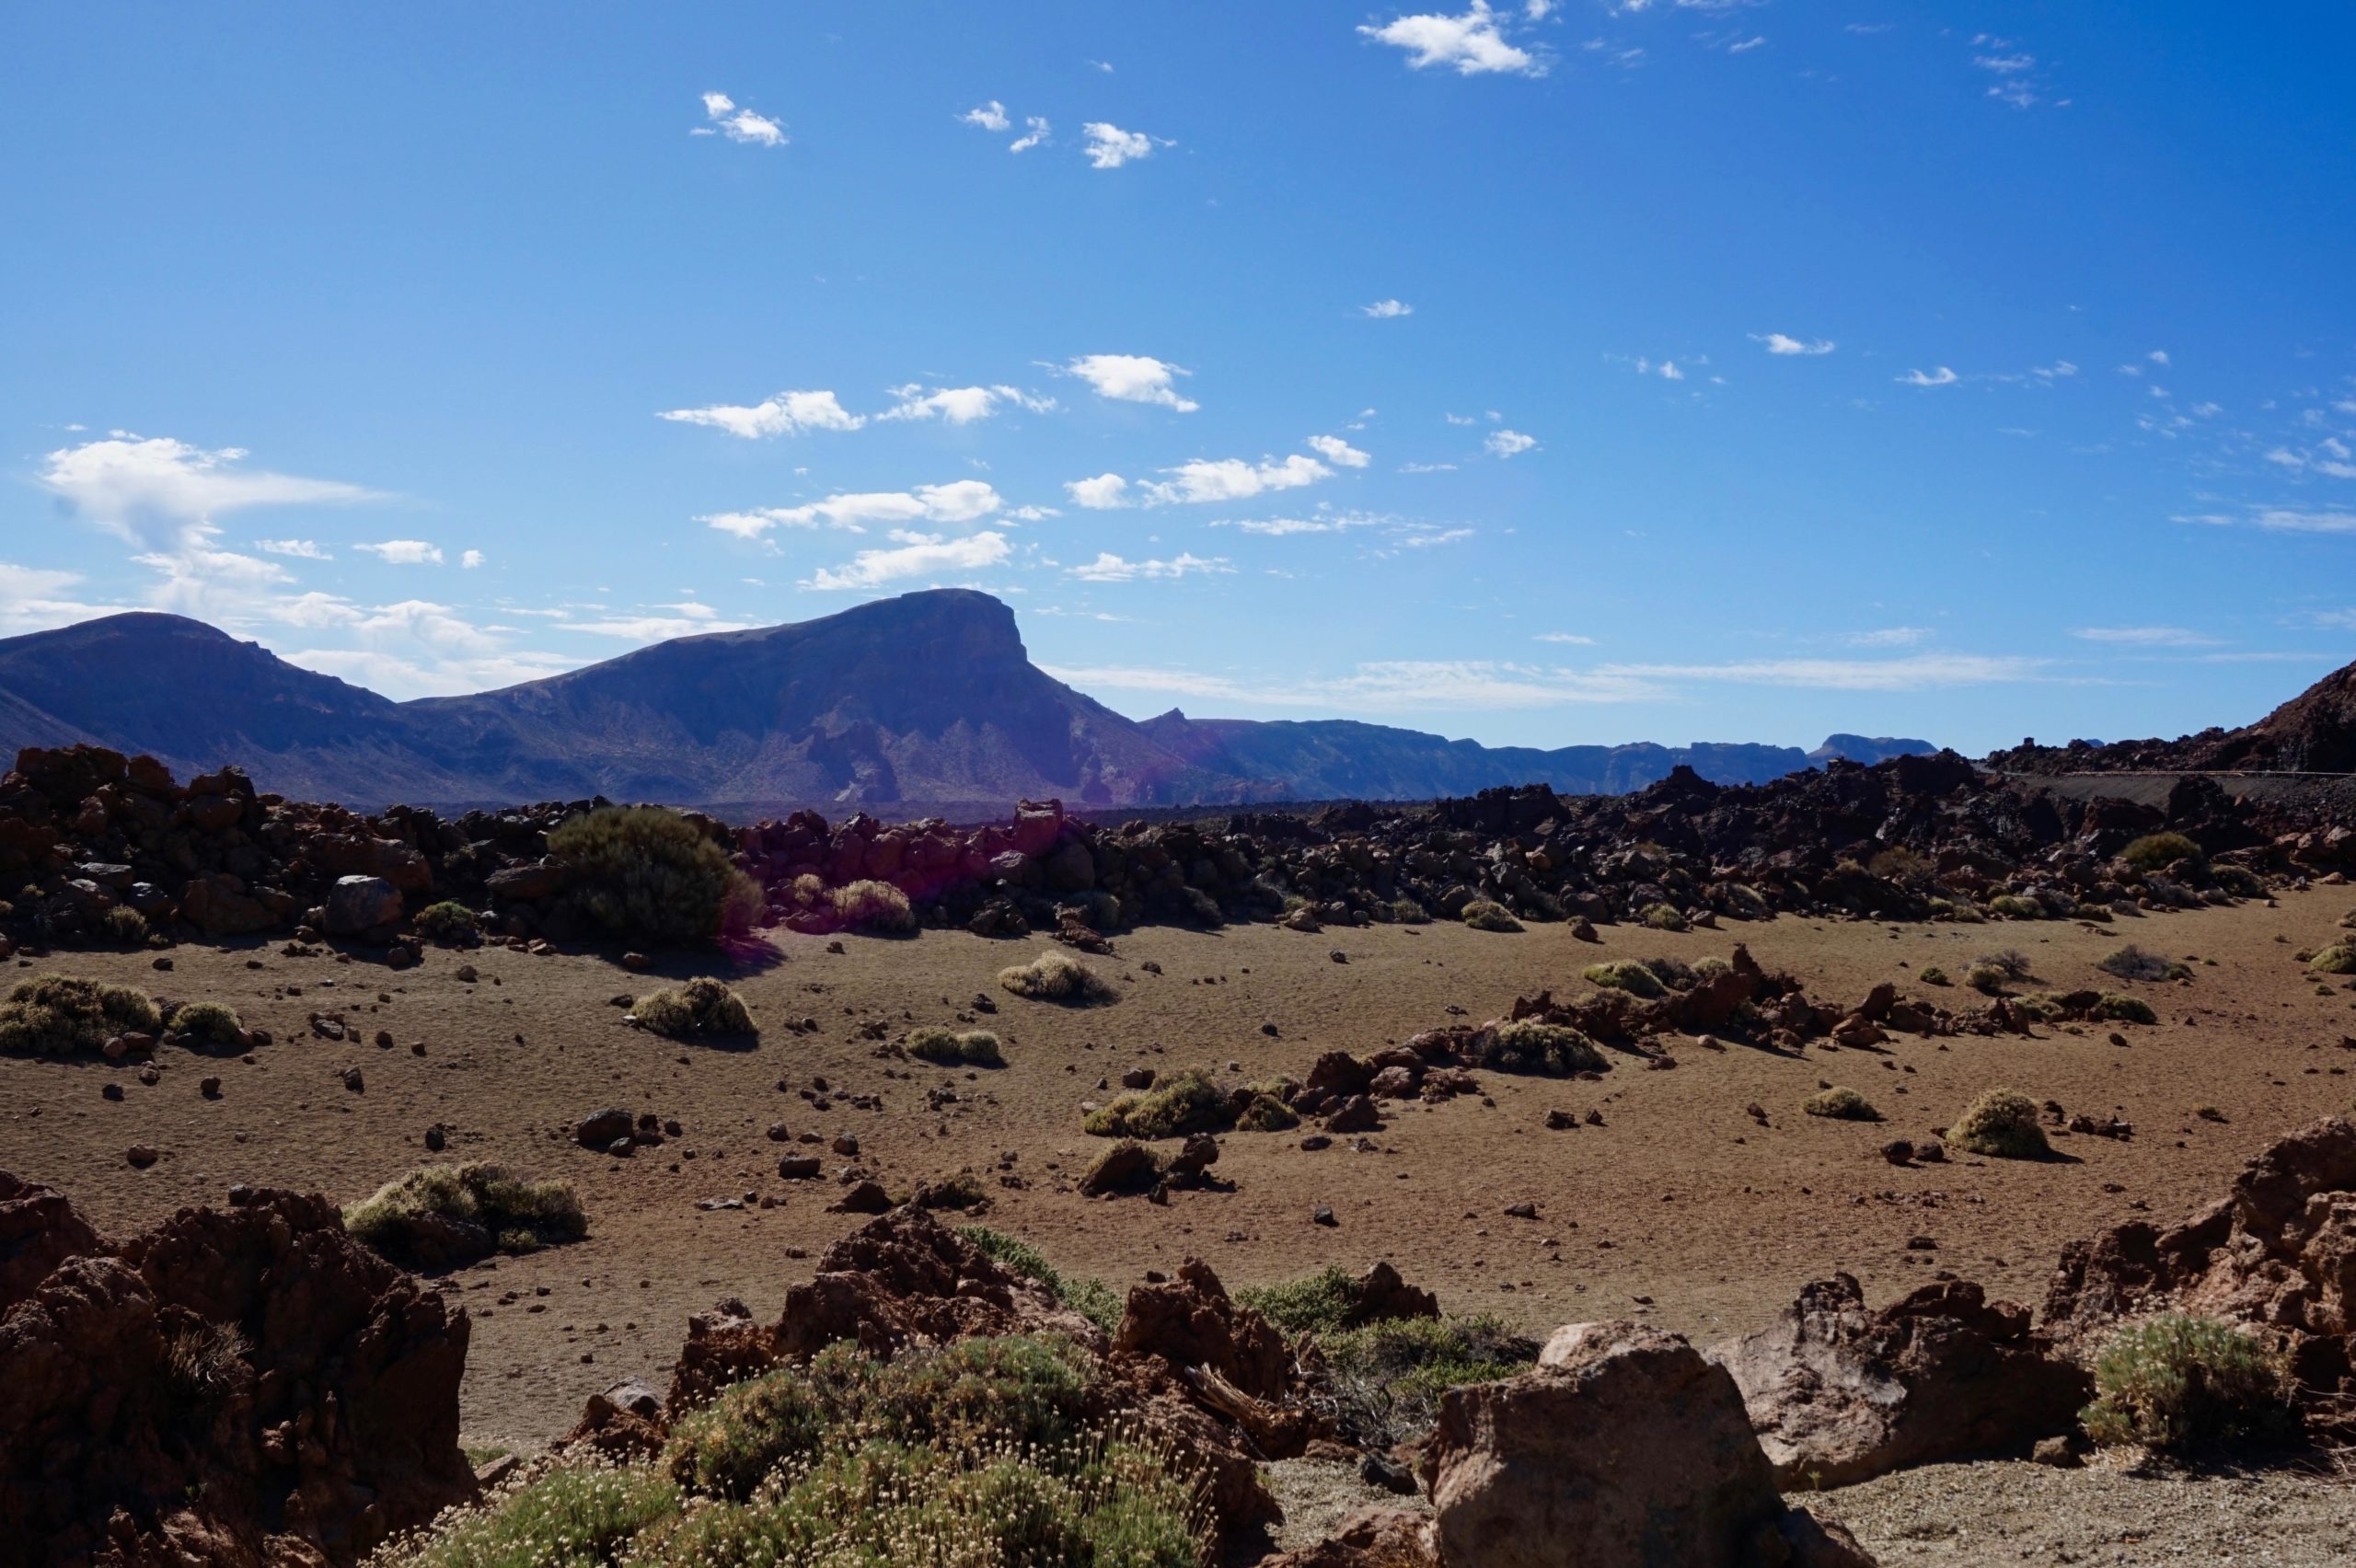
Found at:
(234, 1388)
(1839, 1394)
(39, 1230)
(1625, 1449)
(2277, 1254)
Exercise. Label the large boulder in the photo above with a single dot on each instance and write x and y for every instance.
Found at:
(1840, 1394)
(235, 1387)
(357, 904)
(39, 1230)
(2276, 1254)
(1191, 1321)
(1624, 1450)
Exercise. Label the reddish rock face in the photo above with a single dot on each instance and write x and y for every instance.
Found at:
(231, 1388)
(1840, 1394)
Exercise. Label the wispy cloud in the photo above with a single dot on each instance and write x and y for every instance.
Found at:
(1200, 479)
(1109, 147)
(2145, 637)
(1942, 376)
(785, 413)
(990, 116)
(1889, 637)
(1571, 637)
(1339, 452)
(1782, 343)
(960, 405)
(1508, 443)
(1387, 309)
(403, 553)
(915, 555)
(303, 549)
(729, 119)
(1110, 567)
(2280, 520)
(960, 500)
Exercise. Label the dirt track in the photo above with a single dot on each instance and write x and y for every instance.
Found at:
(1678, 1206)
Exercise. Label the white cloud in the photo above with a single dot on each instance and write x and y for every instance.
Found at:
(2058, 370)
(919, 556)
(787, 413)
(1568, 637)
(1780, 343)
(1460, 418)
(306, 549)
(738, 124)
(2145, 636)
(1339, 452)
(315, 609)
(1110, 567)
(1509, 442)
(1233, 478)
(1889, 637)
(1109, 147)
(1470, 44)
(692, 619)
(1916, 672)
(471, 559)
(2158, 356)
(1427, 468)
(1035, 130)
(404, 552)
(990, 116)
(1099, 494)
(35, 599)
(1942, 376)
(1132, 378)
(154, 490)
(2282, 520)
(1387, 309)
(960, 405)
(960, 500)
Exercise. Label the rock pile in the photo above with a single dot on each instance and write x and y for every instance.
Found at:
(234, 1388)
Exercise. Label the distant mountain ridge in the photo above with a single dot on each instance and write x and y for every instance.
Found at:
(929, 698)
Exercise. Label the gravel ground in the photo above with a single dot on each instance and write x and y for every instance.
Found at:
(1944, 1515)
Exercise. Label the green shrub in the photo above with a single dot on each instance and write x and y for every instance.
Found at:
(1488, 914)
(1384, 1381)
(1625, 975)
(442, 1215)
(1407, 912)
(2125, 1010)
(1666, 918)
(1092, 1299)
(1528, 1046)
(449, 922)
(702, 1007)
(208, 1026)
(2239, 881)
(1183, 1102)
(972, 1048)
(124, 926)
(650, 874)
(1840, 1105)
(2015, 906)
(2337, 959)
(2174, 1383)
(1325, 1302)
(2132, 963)
(876, 906)
(576, 1516)
(1056, 977)
(2001, 1124)
(1266, 1112)
(2157, 851)
(1985, 978)
(1934, 975)
(53, 1015)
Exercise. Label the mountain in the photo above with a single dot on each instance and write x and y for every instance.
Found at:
(927, 699)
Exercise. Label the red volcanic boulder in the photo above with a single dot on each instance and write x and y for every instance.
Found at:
(232, 1388)
(1839, 1394)
(1190, 1321)
(39, 1230)
(2277, 1253)
(1624, 1450)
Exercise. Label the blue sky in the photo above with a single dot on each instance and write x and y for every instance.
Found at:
(1537, 373)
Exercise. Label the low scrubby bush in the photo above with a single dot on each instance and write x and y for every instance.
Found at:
(873, 907)
(1625, 975)
(1934, 975)
(1385, 1381)
(1488, 914)
(1183, 1102)
(2016, 907)
(650, 874)
(2177, 1383)
(2158, 851)
(1407, 912)
(1092, 1299)
(1528, 1046)
(2124, 1010)
(208, 1026)
(442, 1215)
(1666, 918)
(701, 1007)
(1056, 977)
(1840, 1105)
(2337, 959)
(124, 926)
(449, 922)
(972, 1048)
(2132, 963)
(2001, 1124)
(575, 1515)
(56, 1015)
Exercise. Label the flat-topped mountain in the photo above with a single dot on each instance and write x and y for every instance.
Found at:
(927, 698)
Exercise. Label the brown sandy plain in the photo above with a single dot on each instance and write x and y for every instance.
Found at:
(1679, 1207)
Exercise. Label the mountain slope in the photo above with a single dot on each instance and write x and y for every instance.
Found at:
(926, 699)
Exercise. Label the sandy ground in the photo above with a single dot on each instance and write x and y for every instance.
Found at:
(1677, 1206)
